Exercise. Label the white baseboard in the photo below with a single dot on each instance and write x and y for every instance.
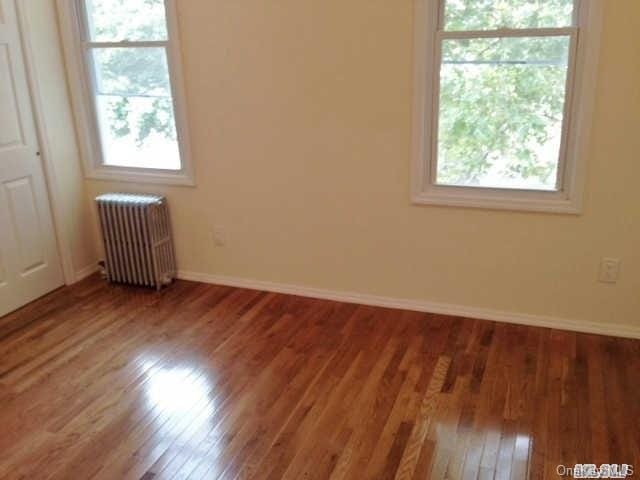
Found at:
(616, 330)
(86, 271)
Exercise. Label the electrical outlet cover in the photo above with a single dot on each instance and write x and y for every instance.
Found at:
(609, 270)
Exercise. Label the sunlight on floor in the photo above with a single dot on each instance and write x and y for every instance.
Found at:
(179, 391)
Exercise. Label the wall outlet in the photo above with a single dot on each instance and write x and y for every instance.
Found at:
(219, 237)
(609, 270)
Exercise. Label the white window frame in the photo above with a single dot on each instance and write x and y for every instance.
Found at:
(77, 49)
(579, 107)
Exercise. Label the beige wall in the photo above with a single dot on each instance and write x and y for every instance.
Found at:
(300, 122)
(73, 214)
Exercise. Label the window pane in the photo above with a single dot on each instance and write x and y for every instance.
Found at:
(135, 108)
(493, 14)
(501, 109)
(133, 20)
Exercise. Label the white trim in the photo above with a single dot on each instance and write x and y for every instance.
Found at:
(86, 272)
(126, 43)
(617, 330)
(83, 104)
(582, 74)
(506, 32)
(63, 239)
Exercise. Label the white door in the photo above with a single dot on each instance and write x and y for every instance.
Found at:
(29, 263)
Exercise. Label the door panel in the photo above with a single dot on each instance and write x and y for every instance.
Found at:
(26, 223)
(29, 263)
(10, 130)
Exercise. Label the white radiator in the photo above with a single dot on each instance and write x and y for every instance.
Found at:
(136, 231)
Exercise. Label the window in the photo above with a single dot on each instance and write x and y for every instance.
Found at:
(503, 96)
(127, 88)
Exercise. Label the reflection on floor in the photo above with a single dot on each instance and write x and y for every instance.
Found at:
(203, 381)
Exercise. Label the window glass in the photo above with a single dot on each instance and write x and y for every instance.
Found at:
(135, 108)
(495, 14)
(126, 20)
(501, 111)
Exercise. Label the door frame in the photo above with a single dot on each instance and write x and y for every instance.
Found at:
(62, 237)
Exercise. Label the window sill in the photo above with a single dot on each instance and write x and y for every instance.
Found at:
(491, 199)
(138, 175)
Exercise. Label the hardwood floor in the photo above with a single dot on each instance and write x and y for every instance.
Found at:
(203, 381)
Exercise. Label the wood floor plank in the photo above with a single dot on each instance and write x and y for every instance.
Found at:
(200, 381)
